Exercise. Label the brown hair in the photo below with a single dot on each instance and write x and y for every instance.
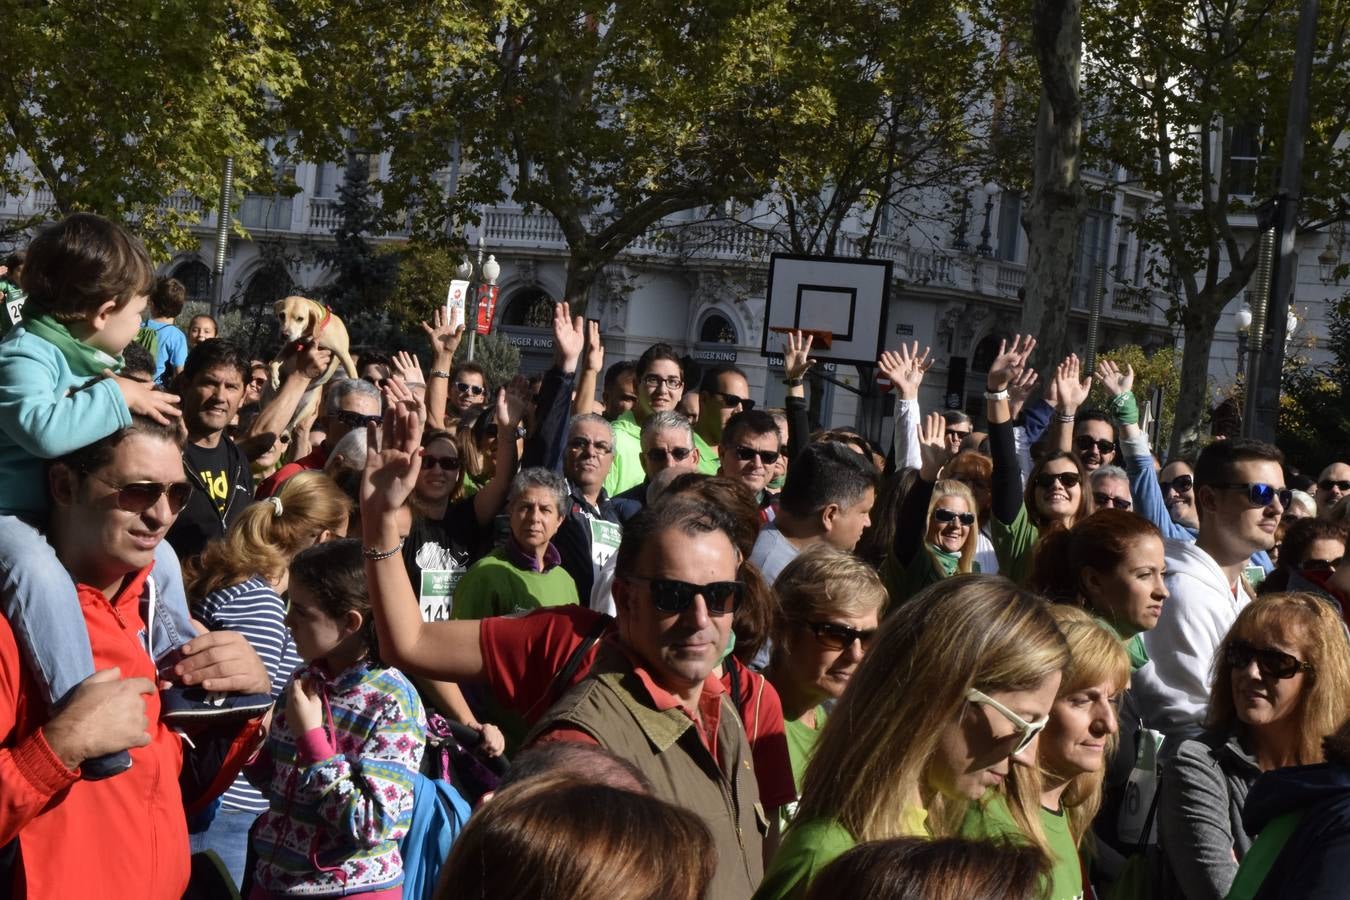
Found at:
(1084, 493)
(1098, 542)
(554, 836)
(945, 869)
(877, 537)
(167, 298)
(1311, 624)
(821, 583)
(80, 263)
(974, 470)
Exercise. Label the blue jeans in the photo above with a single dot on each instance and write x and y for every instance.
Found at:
(37, 596)
(228, 836)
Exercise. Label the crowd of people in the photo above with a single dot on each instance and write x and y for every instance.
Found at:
(618, 632)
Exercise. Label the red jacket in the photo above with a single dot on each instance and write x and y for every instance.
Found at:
(124, 836)
(316, 460)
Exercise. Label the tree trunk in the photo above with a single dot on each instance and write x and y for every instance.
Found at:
(583, 270)
(1199, 320)
(1055, 209)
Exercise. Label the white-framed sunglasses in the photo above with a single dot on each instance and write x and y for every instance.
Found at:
(1026, 731)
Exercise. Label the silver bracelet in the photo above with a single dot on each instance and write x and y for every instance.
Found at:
(437, 373)
(376, 555)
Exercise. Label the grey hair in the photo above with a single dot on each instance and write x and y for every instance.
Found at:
(540, 477)
(340, 390)
(583, 418)
(667, 420)
(1108, 472)
(956, 417)
(349, 453)
(1305, 500)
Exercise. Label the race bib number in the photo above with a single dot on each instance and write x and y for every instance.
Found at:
(605, 537)
(15, 310)
(437, 593)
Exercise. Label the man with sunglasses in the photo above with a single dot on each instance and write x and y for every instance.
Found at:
(1110, 487)
(468, 388)
(1240, 496)
(749, 452)
(1332, 485)
(667, 444)
(660, 387)
(723, 392)
(126, 835)
(351, 405)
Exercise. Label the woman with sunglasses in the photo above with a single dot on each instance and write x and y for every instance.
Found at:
(1055, 495)
(829, 603)
(937, 532)
(1071, 756)
(979, 664)
(1281, 684)
(1309, 551)
(237, 585)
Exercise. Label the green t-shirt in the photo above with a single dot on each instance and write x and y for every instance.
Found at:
(1014, 545)
(626, 469)
(708, 463)
(801, 740)
(807, 848)
(494, 586)
(991, 818)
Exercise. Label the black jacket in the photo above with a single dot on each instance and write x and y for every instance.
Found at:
(1316, 859)
(201, 521)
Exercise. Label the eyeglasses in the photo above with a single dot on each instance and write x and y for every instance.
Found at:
(1319, 565)
(357, 420)
(1085, 442)
(1026, 731)
(1182, 484)
(943, 514)
(958, 435)
(1046, 480)
(448, 463)
(731, 401)
(1270, 663)
(659, 455)
(671, 596)
(1259, 494)
(1105, 500)
(138, 496)
(1328, 484)
(672, 382)
(581, 444)
(767, 457)
(473, 390)
(833, 636)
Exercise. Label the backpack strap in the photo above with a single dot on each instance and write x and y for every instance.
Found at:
(563, 678)
(1261, 857)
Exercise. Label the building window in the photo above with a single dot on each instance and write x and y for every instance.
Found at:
(1009, 226)
(717, 329)
(268, 285)
(196, 277)
(529, 308)
(1244, 155)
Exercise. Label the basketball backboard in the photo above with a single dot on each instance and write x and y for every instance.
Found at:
(841, 297)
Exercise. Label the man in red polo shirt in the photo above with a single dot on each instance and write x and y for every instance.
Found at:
(124, 836)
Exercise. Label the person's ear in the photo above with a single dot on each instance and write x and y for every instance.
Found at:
(1206, 498)
(352, 621)
(63, 483)
(828, 515)
(695, 455)
(622, 591)
(100, 318)
(1090, 581)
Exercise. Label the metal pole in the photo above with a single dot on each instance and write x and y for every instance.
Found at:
(471, 301)
(1263, 397)
(1095, 314)
(222, 237)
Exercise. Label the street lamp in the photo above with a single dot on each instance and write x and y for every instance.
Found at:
(1242, 321)
(488, 272)
(963, 224)
(985, 248)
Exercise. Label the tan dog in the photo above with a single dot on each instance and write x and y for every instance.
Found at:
(305, 321)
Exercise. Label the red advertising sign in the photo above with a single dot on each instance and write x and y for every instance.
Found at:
(487, 307)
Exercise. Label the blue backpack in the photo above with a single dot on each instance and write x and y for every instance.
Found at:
(439, 814)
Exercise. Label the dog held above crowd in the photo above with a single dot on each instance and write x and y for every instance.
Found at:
(346, 622)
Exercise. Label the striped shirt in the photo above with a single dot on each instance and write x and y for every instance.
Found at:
(253, 609)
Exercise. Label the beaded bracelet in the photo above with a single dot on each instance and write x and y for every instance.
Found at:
(376, 555)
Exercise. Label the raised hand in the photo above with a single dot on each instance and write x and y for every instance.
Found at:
(1115, 380)
(933, 449)
(569, 336)
(393, 459)
(1072, 391)
(595, 348)
(1010, 362)
(905, 368)
(444, 334)
(512, 402)
(1019, 390)
(797, 359)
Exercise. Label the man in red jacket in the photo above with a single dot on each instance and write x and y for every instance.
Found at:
(125, 836)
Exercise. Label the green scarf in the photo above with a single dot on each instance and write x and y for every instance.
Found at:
(82, 358)
(948, 562)
(1134, 646)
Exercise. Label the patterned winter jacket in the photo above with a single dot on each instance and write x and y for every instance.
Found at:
(341, 796)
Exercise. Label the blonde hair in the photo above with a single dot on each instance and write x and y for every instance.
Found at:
(822, 582)
(1096, 656)
(1311, 624)
(876, 751)
(268, 535)
(951, 488)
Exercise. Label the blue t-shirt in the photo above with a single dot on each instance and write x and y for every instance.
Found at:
(173, 349)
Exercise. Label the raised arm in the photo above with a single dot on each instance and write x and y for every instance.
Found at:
(546, 444)
(905, 368)
(1144, 487)
(297, 373)
(511, 403)
(584, 401)
(912, 520)
(448, 651)
(1007, 479)
(444, 336)
(1071, 393)
(797, 362)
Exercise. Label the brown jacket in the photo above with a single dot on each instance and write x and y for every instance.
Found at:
(613, 706)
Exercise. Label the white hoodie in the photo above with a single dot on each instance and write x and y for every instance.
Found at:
(1173, 688)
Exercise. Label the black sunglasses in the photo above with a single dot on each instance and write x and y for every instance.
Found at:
(768, 457)
(1086, 442)
(959, 435)
(1327, 484)
(1319, 565)
(671, 596)
(356, 419)
(138, 496)
(833, 636)
(1045, 481)
(1270, 663)
(581, 444)
(1182, 484)
(1105, 500)
(730, 401)
(448, 463)
(473, 390)
(658, 456)
(946, 515)
(1259, 493)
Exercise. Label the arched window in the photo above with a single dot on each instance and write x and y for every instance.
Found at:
(529, 308)
(268, 285)
(196, 277)
(716, 329)
(985, 353)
